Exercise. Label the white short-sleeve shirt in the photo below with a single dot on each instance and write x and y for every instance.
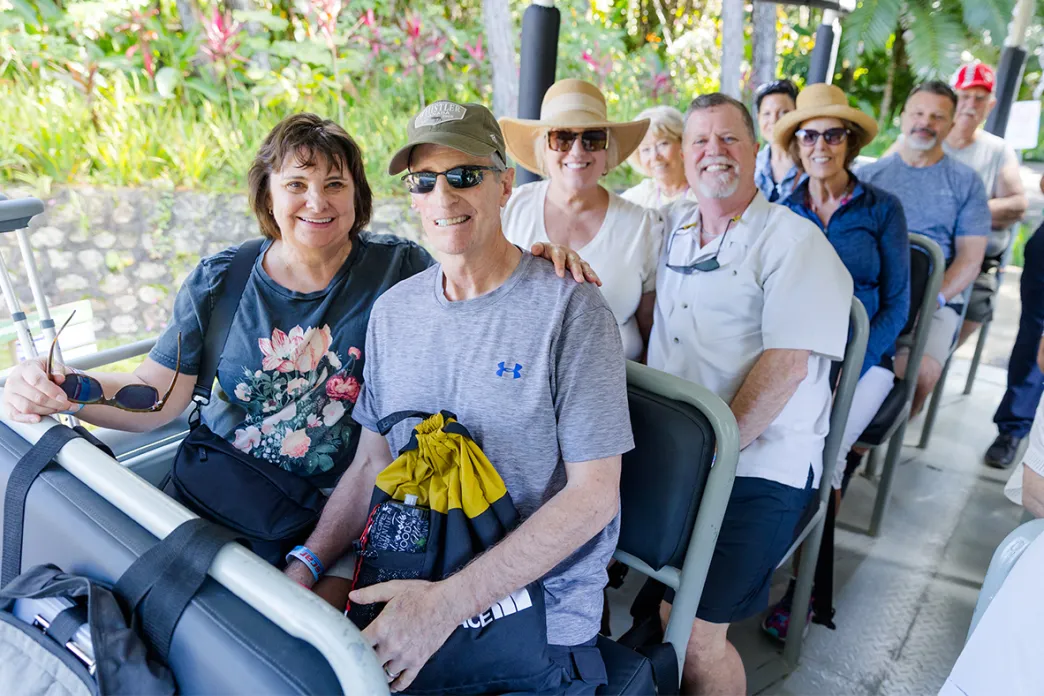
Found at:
(780, 285)
(623, 253)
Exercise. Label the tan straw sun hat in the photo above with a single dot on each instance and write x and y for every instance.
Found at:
(822, 101)
(572, 104)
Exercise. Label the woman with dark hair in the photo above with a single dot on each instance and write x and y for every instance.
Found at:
(776, 172)
(867, 229)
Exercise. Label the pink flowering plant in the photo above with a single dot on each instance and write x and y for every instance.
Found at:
(298, 404)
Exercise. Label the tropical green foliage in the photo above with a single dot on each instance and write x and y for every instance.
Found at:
(131, 92)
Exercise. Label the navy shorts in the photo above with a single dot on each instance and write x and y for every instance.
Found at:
(760, 524)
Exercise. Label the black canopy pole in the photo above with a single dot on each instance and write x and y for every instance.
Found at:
(540, 26)
(1009, 71)
(1009, 75)
(824, 52)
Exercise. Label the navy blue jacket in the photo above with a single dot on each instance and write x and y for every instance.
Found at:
(869, 234)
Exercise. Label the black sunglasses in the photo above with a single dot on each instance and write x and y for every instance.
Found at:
(463, 177)
(84, 389)
(591, 140)
(704, 266)
(832, 136)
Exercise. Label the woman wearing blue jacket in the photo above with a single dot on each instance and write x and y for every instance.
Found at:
(867, 228)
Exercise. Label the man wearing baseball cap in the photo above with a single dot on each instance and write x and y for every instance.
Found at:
(995, 162)
(532, 365)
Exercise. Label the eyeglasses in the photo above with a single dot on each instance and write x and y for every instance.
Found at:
(832, 136)
(84, 389)
(591, 140)
(706, 265)
(465, 177)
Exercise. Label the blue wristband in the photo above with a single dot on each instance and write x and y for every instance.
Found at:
(305, 555)
(941, 299)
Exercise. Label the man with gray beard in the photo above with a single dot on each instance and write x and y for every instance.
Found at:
(752, 302)
(944, 200)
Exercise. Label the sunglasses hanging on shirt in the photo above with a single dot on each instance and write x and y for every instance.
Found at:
(706, 265)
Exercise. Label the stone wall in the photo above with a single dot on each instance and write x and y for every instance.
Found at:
(128, 250)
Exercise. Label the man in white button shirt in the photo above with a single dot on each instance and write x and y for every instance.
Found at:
(752, 302)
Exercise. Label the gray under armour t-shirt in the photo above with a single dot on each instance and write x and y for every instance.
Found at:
(535, 371)
(944, 201)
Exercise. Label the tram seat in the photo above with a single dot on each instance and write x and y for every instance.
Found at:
(673, 494)
(221, 644)
(1004, 559)
(889, 424)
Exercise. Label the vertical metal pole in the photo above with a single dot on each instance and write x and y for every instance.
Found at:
(984, 330)
(1009, 70)
(539, 56)
(824, 53)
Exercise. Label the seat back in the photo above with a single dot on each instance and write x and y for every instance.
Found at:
(927, 267)
(675, 486)
(663, 477)
(224, 642)
(1004, 559)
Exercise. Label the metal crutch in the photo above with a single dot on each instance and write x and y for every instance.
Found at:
(33, 276)
(15, 215)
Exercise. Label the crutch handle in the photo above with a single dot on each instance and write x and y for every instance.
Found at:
(16, 214)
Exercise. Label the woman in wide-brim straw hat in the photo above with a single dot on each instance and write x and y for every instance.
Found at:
(574, 144)
(867, 227)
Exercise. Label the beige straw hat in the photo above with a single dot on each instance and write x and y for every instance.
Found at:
(822, 101)
(571, 104)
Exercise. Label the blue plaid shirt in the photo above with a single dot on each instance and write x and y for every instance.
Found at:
(775, 193)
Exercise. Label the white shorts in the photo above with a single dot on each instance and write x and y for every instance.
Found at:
(871, 391)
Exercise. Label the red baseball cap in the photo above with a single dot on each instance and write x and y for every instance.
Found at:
(974, 75)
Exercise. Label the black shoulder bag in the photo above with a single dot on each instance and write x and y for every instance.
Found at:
(271, 509)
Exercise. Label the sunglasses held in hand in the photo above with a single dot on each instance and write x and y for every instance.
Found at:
(84, 389)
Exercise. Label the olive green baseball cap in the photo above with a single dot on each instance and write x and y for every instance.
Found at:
(469, 128)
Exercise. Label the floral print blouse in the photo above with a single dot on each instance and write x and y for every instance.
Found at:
(291, 370)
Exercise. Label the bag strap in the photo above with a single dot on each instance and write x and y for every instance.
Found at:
(166, 577)
(221, 318)
(22, 476)
(385, 425)
(68, 621)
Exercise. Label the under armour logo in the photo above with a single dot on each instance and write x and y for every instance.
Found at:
(516, 371)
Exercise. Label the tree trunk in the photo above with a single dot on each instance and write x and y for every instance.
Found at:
(896, 62)
(764, 20)
(732, 45)
(500, 46)
(187, 15)
(259, 59)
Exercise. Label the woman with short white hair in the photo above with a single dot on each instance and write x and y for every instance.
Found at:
(574, 145)
(659, 157)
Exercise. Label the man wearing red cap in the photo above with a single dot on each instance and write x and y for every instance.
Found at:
(998, 166)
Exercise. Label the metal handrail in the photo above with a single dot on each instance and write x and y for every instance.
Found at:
(297, 611)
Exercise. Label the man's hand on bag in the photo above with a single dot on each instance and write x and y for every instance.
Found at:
(417, 619)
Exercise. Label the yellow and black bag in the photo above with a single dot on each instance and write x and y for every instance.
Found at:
(434, 508)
